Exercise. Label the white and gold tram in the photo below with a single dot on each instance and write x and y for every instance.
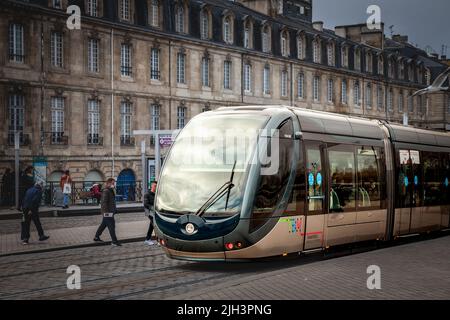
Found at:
(338, 180)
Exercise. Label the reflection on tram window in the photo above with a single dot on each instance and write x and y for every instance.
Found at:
(314, 178)
(445, 178)
(432, 183)
(369, 188)
(342, 171)
(271, 187)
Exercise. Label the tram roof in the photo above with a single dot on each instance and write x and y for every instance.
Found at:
(338, 124)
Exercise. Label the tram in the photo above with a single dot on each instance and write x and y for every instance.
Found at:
(306, 181)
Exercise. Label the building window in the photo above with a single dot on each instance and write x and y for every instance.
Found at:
(410, 103)
(228, 30)
(344, 94)
(330, 90)
(284, 43)
(401, 68)
(93, 47)
(56, 46)
(181, 67)
(344, 57)
(204, 24)
(380, 97)
(316, 51)
(358, 59)
(92, 8)
(181, 117)
(205, 72)
(155, 72)
(57, 109)
(390, 100)
(411, 73)
(330, 54)
(266, 80)
(247, 77)
(56, 4)
(248, 34)
(227, 74)
(380, 65)
(369, 96)
(156, 114)
(301, 47)
(316, 88)
(284, 83)
(125, 122)
(16, 43)
(265, 39)
(16, 116)
(369, 62)
(400, 102)
(125, 10)
(125, 60)
(427, 77)
(93, 121)
(154, 14)
(179, 19)
(357, 94)
(391, 69)
(301, 85)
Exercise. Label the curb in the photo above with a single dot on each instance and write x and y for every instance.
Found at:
(77, 246)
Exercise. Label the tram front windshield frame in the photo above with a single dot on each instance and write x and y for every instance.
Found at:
(201, 161)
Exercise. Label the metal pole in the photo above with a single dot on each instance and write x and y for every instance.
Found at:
(144, 169)
(16, 159)
(157, 156)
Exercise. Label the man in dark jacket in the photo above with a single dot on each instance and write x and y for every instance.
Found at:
(108, 210)
(26, 181)
(30, 205)
(149, 201)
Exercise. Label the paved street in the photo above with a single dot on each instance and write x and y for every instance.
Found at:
(417, 270)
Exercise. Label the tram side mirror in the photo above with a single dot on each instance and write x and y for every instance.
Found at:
(298, 135)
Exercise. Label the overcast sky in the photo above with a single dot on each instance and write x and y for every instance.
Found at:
(426, 22)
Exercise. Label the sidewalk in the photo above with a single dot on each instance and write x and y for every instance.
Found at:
(75, 210)
(71, 238)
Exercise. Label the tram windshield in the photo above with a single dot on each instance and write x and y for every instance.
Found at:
(209, 152)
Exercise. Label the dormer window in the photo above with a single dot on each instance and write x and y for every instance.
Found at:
(92, 8)
(125, 10)
(380, 65)
(316, 51)
(284, 43)
(181, 18)
(357, 59)
(369, 62)
(248, 34)
(344, 57)
(205, 24)
(301, 47)
(266, 39)
(155, 13)
(56, 4)
(330, 54)
(228, 29)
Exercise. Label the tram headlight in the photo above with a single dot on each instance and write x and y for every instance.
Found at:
(190, 228)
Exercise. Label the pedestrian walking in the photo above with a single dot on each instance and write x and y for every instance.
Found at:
(108, 209)
(149, 202)
(31, 203)
(66, 186)
(26, 181)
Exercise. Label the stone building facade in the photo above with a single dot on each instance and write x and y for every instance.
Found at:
(76, 95)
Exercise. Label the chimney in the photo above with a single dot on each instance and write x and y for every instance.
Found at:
(443, 57)
(318, 25)
(341, 32)
(400, 38)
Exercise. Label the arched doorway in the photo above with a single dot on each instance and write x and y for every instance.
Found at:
(126, 186)
(93, 177)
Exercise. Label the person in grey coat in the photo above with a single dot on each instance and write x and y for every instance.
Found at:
(108, 209)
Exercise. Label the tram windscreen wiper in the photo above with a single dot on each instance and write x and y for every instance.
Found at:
(223, 190)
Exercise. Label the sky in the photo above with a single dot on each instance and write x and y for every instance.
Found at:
(426, 22)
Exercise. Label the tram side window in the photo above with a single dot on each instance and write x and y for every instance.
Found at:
(370, 191)
(432, 179)
(445, 178)
(342, 171)
(272, 186)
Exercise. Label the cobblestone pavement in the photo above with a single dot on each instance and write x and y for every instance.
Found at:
(418, 270)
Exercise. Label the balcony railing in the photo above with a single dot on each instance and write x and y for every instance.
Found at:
(127, 141)
(25, 139)
(16, 57)
(58, 138)
(94, 139)
(126, 71)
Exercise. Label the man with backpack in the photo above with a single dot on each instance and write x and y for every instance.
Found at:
(30, 206)
(108, 209)
(149, 202)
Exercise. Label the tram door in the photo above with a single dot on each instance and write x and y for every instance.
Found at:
(315, 195)
(410, 184)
